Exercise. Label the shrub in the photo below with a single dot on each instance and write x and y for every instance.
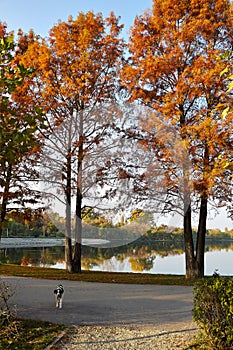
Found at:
(6, 313)
(213, 311)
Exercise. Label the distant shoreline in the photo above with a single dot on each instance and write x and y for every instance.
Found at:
(25, 242)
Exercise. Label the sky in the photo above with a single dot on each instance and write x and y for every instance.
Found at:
(42, 15)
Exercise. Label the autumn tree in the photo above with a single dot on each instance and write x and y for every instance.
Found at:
(174, 71)
(75, 83)
(19, 141)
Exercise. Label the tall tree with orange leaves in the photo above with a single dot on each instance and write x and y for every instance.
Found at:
(75, 83)
(175, 69)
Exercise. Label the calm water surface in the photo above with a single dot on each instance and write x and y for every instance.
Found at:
(155, 258)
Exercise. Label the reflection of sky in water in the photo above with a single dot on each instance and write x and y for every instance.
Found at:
(175, 264)
(171, 264)
(114, 265)
(219, 260)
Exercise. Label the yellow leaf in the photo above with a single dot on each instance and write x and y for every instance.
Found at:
(224, 71)
(225, 112)
(230, 86)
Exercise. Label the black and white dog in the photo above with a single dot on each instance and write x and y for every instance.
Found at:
(59, 291)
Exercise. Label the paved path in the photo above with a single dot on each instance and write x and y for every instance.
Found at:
(87, 303)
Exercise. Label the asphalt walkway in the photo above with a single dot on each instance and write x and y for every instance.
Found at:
(102, 304)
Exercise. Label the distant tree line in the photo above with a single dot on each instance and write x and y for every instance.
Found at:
(33, 225)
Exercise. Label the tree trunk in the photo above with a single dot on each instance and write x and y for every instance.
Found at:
(190, 261)
(195, 260)
(77, 253)
(5, 197)
(201, 234)
(68, 240)
(68, 256)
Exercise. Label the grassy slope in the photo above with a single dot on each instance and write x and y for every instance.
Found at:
(94, 276)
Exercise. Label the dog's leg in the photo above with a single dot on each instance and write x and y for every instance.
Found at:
(57, 301)
(60, 303)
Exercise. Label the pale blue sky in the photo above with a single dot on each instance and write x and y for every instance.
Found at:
(41, 15)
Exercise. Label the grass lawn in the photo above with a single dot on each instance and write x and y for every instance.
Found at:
(94, 276)
(28, 334)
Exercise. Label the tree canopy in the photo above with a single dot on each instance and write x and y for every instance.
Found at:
(19, 141)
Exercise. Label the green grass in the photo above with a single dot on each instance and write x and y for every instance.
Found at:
(94, 276)
(28, 334)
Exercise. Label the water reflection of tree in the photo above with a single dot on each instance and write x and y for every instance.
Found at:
(140, 248)
(141, 254)
(142, 264)
(32, 256)
(52, 256)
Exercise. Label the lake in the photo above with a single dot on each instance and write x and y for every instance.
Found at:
(143, 256)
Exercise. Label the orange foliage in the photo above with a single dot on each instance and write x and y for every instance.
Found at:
(76, 66)
(173, 69)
